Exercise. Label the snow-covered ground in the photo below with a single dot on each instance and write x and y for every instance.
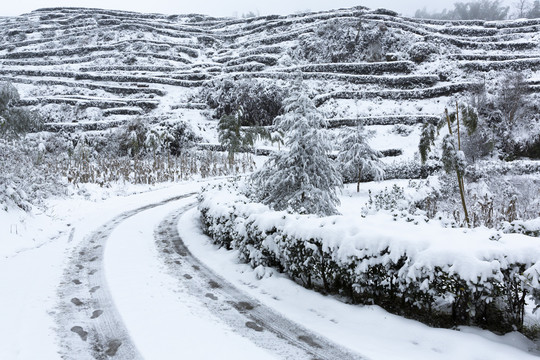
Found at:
(32, 261)
(163, 319)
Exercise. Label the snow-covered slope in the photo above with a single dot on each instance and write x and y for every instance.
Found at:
(100, 67)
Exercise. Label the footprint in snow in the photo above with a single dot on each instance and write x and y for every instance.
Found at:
(80, 331)
(96, 314)
(76, 302)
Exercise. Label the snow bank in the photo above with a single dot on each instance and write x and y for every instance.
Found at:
(443, 276)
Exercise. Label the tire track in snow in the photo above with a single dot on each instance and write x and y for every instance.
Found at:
(88, 324)
(259, 323)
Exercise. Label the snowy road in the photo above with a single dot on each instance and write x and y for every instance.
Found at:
(89, 323)
(134, 291)
(130, 290)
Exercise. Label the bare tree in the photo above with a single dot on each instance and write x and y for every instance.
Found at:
(471, 10)
(534, 11)
(522, 8)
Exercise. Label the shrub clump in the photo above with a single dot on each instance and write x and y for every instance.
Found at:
(15, 120)
(421, 51)
(261, 101)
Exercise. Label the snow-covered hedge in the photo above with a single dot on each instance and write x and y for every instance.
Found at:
(361, 68)
(426, 93)
(89, 102)
(441, 276)
(382, 120)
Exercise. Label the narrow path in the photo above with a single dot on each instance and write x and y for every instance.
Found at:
(88, 322)
(253, 320)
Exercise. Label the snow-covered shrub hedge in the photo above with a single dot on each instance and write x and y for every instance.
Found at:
(401, 67)
(441, 276)
(409, 170)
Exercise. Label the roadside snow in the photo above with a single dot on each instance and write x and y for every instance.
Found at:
(28, 282)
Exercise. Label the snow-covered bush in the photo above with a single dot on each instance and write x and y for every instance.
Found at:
(506, 118)
(351, 41)
(260, 100)
(138, 138)
(28, 174)
(393, 199)
(15, 120)
(133, 137)
(494, 199)
(421, 51)
(528, 148)
(410, 170)
(442, 276)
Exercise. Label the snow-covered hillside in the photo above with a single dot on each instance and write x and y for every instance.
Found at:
(92, 69)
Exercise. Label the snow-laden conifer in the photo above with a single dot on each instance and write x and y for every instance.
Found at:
(303, 178)
(356, 158)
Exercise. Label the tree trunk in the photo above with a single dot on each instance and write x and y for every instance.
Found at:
(359, 178)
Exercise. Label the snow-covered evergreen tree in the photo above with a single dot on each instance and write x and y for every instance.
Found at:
(357, 158)
(302, 179)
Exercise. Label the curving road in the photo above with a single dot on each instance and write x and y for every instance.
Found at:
(123, 277)
(89, 324)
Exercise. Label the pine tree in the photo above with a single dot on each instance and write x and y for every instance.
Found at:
(357, 158)
(302, 179)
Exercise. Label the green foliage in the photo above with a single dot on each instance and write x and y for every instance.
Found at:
(427, 140)
(14, 120)
(235, 138)
(229, 134)
(133, 138)
(470, 118)
(259, 100)
(452, 159)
